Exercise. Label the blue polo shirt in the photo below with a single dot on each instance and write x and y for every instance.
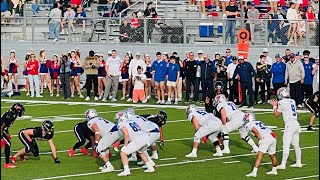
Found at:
(161, 70)
(308, 72)
(229, 60)
(173, 70)
(278, 70)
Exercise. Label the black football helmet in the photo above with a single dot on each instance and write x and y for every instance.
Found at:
(218, 87)
(18, 109)
(47, 125)
(162, 117)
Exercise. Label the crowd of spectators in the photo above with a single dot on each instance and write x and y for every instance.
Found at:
(164, 78)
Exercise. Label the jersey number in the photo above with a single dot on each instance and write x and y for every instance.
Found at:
(233, 106)
(261, 125)
(293, 110)
(201, 112)
(134, 126)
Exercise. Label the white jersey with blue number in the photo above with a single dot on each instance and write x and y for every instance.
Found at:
(262, 129)
(104, 125)
(144, 123)
(133, 129)
(230, 109)
(202, 116)
(289, 110)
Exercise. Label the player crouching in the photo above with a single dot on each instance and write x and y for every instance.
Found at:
(267, 143)
(205, 124)
(28, 138)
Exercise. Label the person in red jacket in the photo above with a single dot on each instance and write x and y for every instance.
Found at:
(33, 74)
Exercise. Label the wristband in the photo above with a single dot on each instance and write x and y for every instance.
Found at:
(96, 142)
(97, 132)
(275, 107)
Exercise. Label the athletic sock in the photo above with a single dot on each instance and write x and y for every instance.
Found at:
(297, 150)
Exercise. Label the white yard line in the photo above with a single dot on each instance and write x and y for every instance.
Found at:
(231, 162)
(305, 177)
(27, 105)
(164, 165)
(167, 159)
(265, 163)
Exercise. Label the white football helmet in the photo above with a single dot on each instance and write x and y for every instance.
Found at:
(130, 112)
(90, 113)
(191, 108)
(219, 99)
(283, 93)
(120, 116)
(248, 117)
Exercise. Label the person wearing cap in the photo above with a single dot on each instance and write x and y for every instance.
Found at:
(139, 82)
(245, 72)
(232, 12)
(207, 75)
(278, 70)
(173, 79)
(295, 78)
(191, 78)
(13, 64)
(91, 65)
(233, 83)
(315, 73)
(308, 77)
(253, 16)
(159, 71)
(263, 75)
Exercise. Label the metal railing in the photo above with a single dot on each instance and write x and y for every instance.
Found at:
(164, 30)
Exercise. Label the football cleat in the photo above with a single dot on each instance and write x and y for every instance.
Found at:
(103, 167)
(9, 165)
(116, 149)
(124, 173)
(272, 172)
(152, 164)
(95, 154)
(13, 160)
(218, 154)
(140, 163)
(191, 155)
(252, 174)
(107, 169)
(154, 156)
(84, 151)
(133, 158)
(149, 170)
(226, 151)
(281, 166)
(71, 152)
(297, 165)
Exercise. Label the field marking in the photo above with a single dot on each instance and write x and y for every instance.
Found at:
(167, 159)
(265, 163)
(231, 162)
(27, 105)
(129, 105)
(304, 177)
(163, 165)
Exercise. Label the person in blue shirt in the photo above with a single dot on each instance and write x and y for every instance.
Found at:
(173, 79)
(159, 71)
(245, 72)
(229, 57)
(80, 18)
(308, 77)
(278, 71)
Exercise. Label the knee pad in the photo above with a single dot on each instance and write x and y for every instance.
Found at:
(196, 139)
(225, 136)
(103, 152)
(246, 138)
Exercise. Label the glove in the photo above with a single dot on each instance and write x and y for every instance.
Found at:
(56, 160)
(9, 136)
(162, 144)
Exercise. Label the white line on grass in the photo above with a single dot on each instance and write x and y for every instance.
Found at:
(231, 162)
(4, 107)
(164, 165)
(305, 177)
(167, 159)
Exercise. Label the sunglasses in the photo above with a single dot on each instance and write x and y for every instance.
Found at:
(306, 57)
(227, 51)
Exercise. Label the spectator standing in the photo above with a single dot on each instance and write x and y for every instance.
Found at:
(233, 83)
(54, 73)
(222, 73)
(253, 16)
(245, 72)
(152, 15)
(292, 17)
(113, 70)
(13, 65)
(44, 71)
(315, 73)
(295, 77)
(159, 71)
(173, 79)
(263, 75)
(25, 73)
(54, 22)
(139, 82)
(179, 87)
(207, 74)
(125, 76)
(148, 85)
(33, 73)
(278, 71)
(102, 81)
(191, 78)
(286, 56)
(229, 57)
(65, 71)
(76, 68)
(134, 63)
(268, 60)
(91, 65)
(232, 12)
(308, 77)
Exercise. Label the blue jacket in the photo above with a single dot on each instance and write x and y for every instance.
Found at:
(308, 78)
(207, 70)
(245, 71)
(278, 70)
(161, 70)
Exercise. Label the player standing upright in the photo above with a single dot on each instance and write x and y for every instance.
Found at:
(287, 107)
(312, 104)
(7, 120)
(229, 111)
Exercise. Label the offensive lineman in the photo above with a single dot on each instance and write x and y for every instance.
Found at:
(205, 124)
(267, 143)
(287, 107)
(229, 111)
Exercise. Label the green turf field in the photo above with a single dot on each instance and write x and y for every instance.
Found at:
(172, 164)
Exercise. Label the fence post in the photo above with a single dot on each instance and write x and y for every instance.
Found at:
(266, 35)
(224, 31)
(166, 12)
(24, 27)
(184, 32)
(307, 34)
(32, 31)
(107, 33)
(145, 32)
(69, 32)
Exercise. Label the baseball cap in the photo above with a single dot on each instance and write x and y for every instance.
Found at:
(12, 51)
(252, 4)
(317, 57)
(240, 57)
(147, 55)
(138, 54)
(165, 53)
(200, 52)
(109, 52)
(265, 50)
(277, 56)
(292, 55)
(298, 54)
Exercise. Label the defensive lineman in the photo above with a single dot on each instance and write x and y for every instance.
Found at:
(229, 111)
(205, 124)
(287, 107)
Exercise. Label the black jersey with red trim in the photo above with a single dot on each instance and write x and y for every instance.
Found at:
(8, 119)
(38, 134)
(152, 118)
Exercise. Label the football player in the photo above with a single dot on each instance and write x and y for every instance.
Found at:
(82, 133)
(29, 136)
(7, 120)
(267, 143)
(231, 118)
(312, 104)
(205, 124)
(106, 133)
(287, 107)
(135, 140)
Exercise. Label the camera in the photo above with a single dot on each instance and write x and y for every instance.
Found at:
(219, 62)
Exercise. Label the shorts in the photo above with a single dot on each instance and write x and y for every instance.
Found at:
(311, 106)
(297, 1)
(139, 144)
(107, 141)
(158, 82)
(268, 145)
(125, 77)
(138, 95)
(291, 134)
(73, 73)
(171, 83)
(29, 146)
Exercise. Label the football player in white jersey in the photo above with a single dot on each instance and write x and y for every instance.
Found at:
(106, 133)
(287, 107)
(267, 143)
(135, 140)
(232, 119)
(205, 124)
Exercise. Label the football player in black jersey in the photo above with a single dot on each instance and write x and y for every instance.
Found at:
(7, 120)
(82, 133)
(29, 136)
(312, 104)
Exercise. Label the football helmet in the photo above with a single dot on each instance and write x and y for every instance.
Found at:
(162, 117)
(47, 125)
(283, 93)
(121, 116)
(218, 86)
(130, 112)
(191, 108)
(219, 99)
(18, 109)
(90, 113)
(248, 117)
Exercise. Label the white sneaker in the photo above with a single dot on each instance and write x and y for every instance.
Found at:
(140, 163)
(123, 98)
(168, 102)
(72, 96)
(129, 100)
(100, 97)
(51, 94)
(252, 175)
(175, 102)
(28, 94)
(163, 102)
(39, 96)
(110, 97)
(81, 96)
(217, 154)
(87, 98)
(103, 167)
(281, 166)
(124, 173)
(158, 102)
(116, 149)
(104, 100)
(191, 96)
(226, 151)
(297, 165)
(96, 98)
(191, 155)
(150, 170)
(154, 156)
(272, 172)
(218, 8)
(133, 158)
(57, 95)
(108, 169)
(113, 100)
(299, 106)
(152, 164)
(259, 102)
(127, 95)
